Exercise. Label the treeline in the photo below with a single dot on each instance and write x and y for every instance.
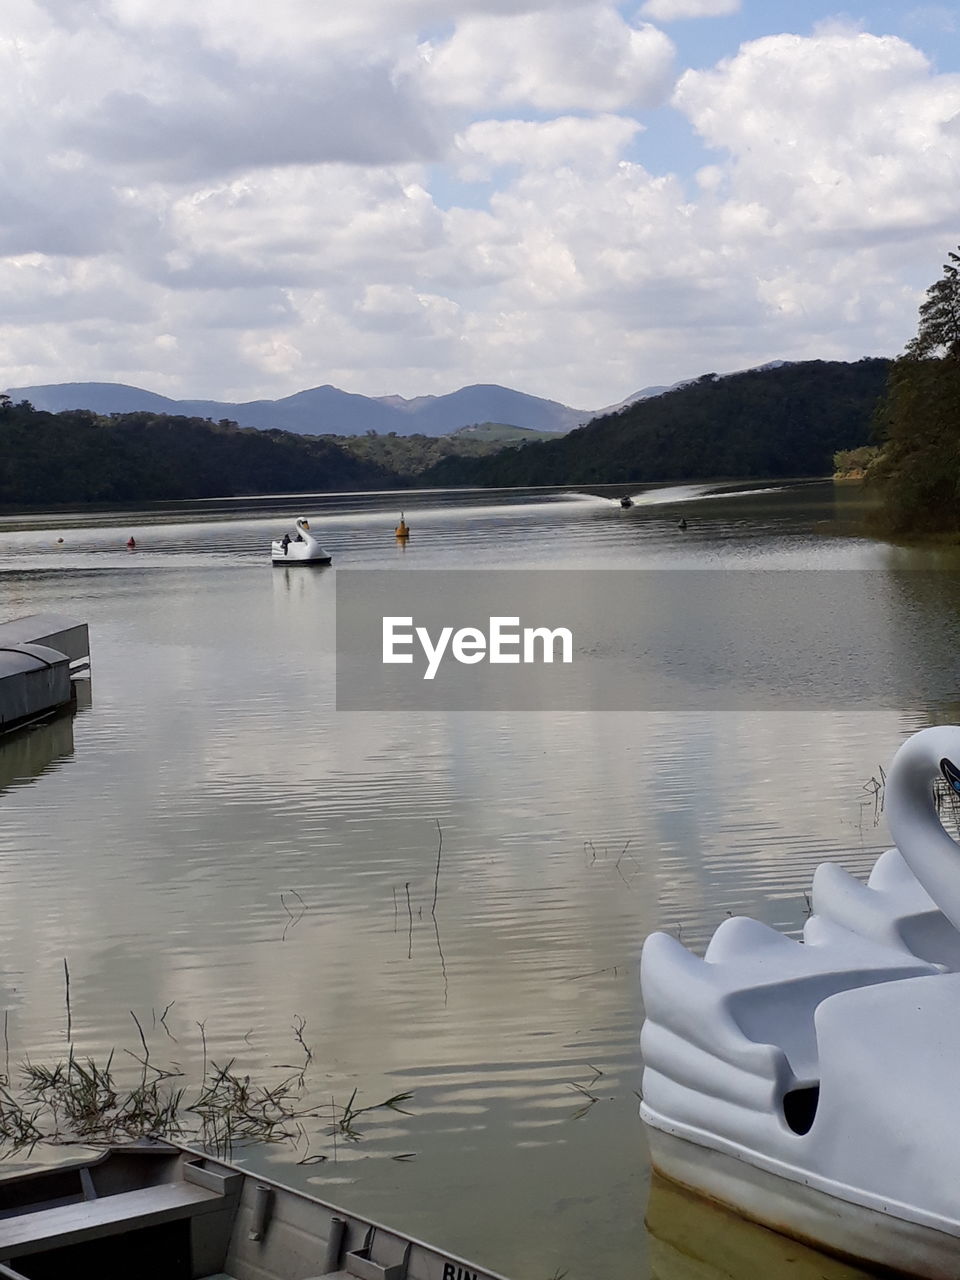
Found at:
(854, 464)
(411, 456)
(78, 456)
(917, 474)
(786, 421)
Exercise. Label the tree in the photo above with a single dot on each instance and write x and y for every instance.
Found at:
(918, 473)
(853, 464)
(77, 456)
(939, 331)
(918, 421)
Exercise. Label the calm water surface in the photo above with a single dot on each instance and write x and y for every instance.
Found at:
(210, 837)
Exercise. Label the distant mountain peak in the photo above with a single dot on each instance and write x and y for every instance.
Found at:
(323, 410)
(326, 410)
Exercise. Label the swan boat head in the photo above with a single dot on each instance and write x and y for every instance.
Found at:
(913, 816)
(910, 900)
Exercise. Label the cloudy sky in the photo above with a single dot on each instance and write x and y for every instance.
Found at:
(576, 198)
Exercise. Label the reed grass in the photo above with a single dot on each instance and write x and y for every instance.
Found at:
(80, 1100)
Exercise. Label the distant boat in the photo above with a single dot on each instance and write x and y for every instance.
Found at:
(302, 548)
(153, 1209)
(626, 502)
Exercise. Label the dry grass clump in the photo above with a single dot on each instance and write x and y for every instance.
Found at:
(79, 1100)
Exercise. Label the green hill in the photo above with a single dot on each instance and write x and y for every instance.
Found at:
(502, 433)
(414, 455)
(773, 422)
(77, 457)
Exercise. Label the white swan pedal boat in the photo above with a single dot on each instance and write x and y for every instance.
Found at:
(157, 1211)
(813, 1086)
(302, 548)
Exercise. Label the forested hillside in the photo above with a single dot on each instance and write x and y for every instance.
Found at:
(412, 455)
(784, 421)
(917, 475)
(139, 457)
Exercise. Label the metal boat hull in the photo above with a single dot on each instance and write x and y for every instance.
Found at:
(163, 1212)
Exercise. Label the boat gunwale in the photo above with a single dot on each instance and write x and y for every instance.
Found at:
(163, 1147)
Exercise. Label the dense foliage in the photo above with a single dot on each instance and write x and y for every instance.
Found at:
(785, 421)
(78, 457)
(938, 333)
(772, 422)
(918, 473)
(412, 455)
(853, 464)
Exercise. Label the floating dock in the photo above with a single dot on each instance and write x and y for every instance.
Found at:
(40, 658)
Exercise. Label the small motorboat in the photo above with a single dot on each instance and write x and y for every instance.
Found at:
(811, 1086)
(626, 502)
(302, 548)
(158, 1211)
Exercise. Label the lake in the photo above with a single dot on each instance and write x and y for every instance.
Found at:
(210, 844)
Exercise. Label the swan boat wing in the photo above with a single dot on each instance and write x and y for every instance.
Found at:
(811, 1086)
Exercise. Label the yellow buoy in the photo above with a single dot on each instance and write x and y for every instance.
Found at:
(403, 529)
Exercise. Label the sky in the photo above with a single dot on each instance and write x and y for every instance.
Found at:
(575, 198)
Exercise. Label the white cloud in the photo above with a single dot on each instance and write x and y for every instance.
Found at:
(229, 200)
(588, 57)
(229, 122)
(383, 307)
(251, 29)
(834, 134)
(166, 100)
(672, 10)
(526, 144)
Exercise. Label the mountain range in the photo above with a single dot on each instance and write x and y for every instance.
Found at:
(789, 420)
(327, 410)
(323, 410)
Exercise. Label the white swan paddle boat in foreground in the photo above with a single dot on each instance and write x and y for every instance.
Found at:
(158, 1211)
(302, 548)
(813, 1086)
